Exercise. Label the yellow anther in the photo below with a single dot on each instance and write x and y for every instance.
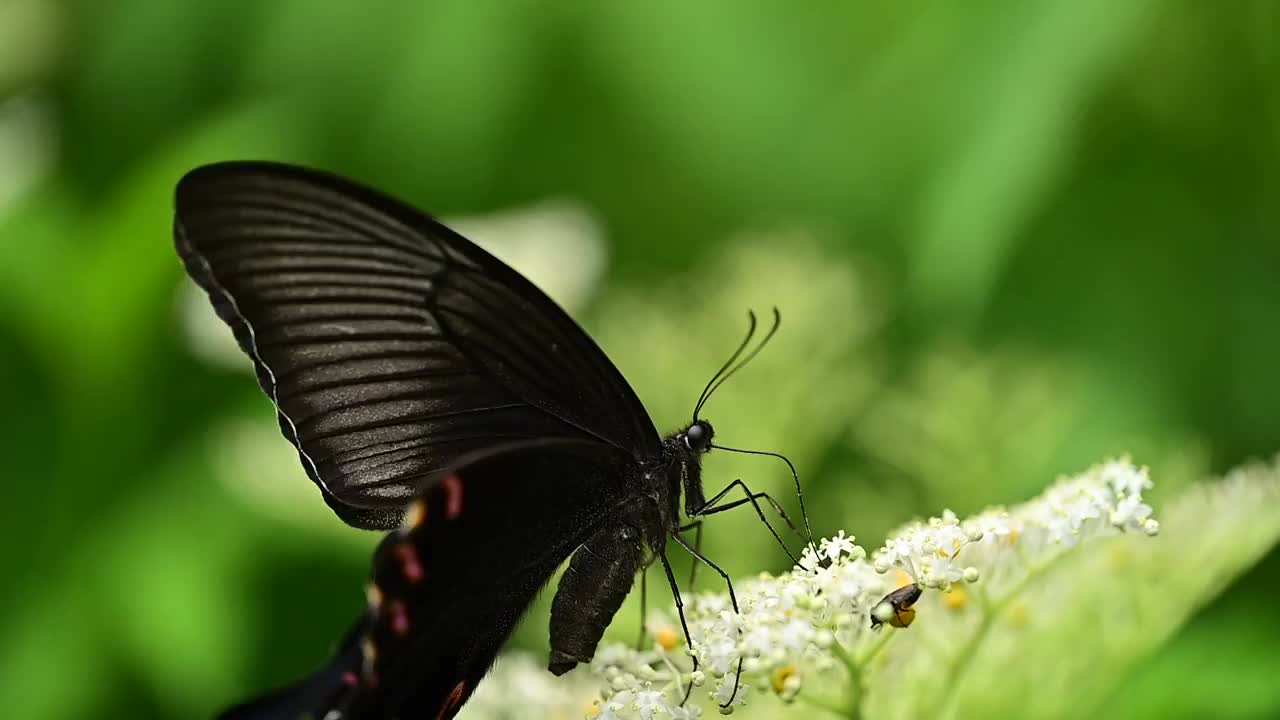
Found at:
(780, 677)
(957, 598)
(667, 639)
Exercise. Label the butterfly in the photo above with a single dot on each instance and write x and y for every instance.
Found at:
(435, 393)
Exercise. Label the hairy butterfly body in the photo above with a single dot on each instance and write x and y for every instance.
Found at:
(434, 392)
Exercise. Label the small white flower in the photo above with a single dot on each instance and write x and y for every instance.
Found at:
(649, 701)
(836, 546)
(809, 559)
(1123, 478)
(615, 706)
(1130, 512)
(928, 551)
(796, 634)
(726, 697)
(613, 655)
(997, 526)
(688, 712)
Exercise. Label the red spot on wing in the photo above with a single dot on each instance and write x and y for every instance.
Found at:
(350, 678)
(399, 617)
(410, 565)
(453, 496)
(455, 698)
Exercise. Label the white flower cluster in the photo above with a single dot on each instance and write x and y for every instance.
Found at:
(943, 550)
(821, 617)
(788, 626)
(928, 551)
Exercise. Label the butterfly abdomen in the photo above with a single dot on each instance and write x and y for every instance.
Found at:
(592, 589)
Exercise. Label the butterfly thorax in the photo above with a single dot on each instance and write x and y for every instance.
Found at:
(684, 450)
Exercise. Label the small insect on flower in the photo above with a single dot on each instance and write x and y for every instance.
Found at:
(896, 608)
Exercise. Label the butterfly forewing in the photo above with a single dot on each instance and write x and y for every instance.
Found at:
(390, 345)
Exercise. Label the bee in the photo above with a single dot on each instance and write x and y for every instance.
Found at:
(896, 607)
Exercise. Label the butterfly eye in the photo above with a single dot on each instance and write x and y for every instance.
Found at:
(695, 438)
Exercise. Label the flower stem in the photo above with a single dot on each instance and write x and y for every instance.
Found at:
(991, 609)
(854, 710)
(842, 654)
(870, 653)
(824, 704)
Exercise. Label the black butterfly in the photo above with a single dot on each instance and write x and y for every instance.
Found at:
(433, 391)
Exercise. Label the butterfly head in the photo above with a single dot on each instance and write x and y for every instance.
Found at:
(697, 437)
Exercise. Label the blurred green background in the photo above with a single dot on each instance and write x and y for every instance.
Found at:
(1008, 239)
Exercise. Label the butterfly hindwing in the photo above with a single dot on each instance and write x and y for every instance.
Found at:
(390, 345)
(449, 587)
(311, 697)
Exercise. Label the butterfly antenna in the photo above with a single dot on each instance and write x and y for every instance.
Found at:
(794, 476)
(706, 391)
(777, 321)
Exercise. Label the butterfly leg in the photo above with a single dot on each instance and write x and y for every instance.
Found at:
(644, 598)
(684, 625)
(733, 598)
(696, 527)
(711, 508)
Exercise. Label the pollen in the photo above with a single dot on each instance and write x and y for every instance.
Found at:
(1012, 537)
(957, 598)
(903, 577)
(667, 639)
